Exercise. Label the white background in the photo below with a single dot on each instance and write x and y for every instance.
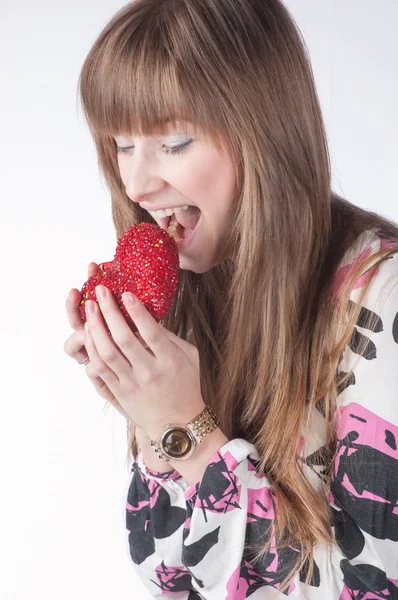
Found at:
(63, 473)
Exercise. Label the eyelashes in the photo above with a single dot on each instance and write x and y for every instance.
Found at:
(169, 151)
(177, 149)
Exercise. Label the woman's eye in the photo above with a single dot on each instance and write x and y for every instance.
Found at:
(174, 150)
(177, 149)
(121, 150)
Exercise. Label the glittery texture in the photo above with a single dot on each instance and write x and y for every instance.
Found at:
(147, 264)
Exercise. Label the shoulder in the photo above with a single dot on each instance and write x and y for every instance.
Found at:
(385, 275)
(366, 245)
(373, 383)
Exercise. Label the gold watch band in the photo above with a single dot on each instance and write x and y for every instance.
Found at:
(204, 423)
(197, 429)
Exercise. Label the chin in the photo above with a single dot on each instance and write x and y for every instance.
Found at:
(201, 265)
(195, 265)
(202, 262)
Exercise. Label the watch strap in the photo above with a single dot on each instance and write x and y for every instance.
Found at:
(198, 428)
(204, 423)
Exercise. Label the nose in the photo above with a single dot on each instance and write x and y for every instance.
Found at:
(141, 179)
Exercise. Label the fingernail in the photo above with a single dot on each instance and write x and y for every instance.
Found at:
(89, 307)
(101, 291)
(129, 299)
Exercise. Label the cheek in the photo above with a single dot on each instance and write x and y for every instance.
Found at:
(211, 180)
(122, 170)
(221, 192)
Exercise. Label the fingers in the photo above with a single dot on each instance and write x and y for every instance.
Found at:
(105, 355)
(73, 301)
(108, 309)
(141, 339)
(107, 361)
(75, 345)
(151, 332)
(93, 268)
(72, 310)
(102, 390)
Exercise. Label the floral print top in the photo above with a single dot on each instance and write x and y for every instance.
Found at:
(188, 541)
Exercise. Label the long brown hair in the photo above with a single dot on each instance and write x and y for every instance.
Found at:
(239, 71)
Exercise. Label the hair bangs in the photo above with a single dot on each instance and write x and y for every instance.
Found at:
(132, 86)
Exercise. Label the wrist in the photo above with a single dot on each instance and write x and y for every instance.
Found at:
(141, 436)
(151, 458)
(192, 469)
(188, 447)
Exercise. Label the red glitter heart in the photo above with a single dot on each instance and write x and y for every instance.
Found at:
(147, 264)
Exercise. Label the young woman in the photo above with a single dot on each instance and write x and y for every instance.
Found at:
(285, 323)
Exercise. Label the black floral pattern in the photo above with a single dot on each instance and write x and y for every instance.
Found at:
(199, 542)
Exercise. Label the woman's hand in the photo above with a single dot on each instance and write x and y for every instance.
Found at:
(74, 347)
(153, 387)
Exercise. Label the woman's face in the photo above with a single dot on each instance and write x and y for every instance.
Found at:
(195, 174)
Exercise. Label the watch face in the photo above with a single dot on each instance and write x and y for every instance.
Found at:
(177, 443)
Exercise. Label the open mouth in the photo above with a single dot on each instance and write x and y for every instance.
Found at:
(178, 231)
(182, 225)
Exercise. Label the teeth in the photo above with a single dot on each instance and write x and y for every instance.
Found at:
(167, 212)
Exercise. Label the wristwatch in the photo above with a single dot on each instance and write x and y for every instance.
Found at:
(178, 442)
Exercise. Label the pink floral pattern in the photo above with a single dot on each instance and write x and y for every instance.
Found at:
(196, 542)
